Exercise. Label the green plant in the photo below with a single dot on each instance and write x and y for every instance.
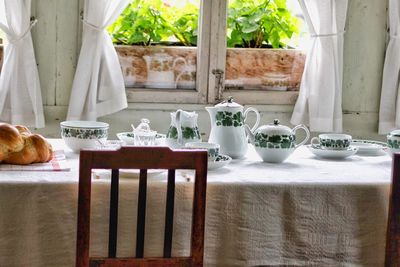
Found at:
(251, 23)
(145, 22)
(256, 23)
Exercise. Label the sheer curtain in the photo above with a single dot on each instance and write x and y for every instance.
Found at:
(389, 113)
(98, 88)
(319, 104)
(20, 94)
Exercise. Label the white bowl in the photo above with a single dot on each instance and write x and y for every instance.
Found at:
(83, 134)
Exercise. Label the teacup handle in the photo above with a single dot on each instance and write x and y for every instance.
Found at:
(314, 141)
(178, 126)
(246, 112)
(298, 127)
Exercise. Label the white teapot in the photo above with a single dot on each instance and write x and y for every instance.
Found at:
(227, 127)
(274, 142)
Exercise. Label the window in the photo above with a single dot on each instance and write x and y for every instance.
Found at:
(194, 51)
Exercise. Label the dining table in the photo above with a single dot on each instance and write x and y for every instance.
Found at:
(306, 211)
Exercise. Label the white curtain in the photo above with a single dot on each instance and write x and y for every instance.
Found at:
(20, 94)
(98, 88)
(389, 113)
(319, 104)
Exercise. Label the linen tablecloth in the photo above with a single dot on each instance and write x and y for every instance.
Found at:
(303, 212)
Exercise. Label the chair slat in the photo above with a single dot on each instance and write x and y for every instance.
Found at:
(169, 214)
(113, 226)
(141, 215)
(129, 262)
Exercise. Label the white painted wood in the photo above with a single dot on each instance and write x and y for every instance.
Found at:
(217, 46)
(364, 50)
(66, 41)
(44, 36)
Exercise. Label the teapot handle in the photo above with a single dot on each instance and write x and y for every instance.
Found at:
(178, 126)
(246, 112)
(301, 126)
(176, 60)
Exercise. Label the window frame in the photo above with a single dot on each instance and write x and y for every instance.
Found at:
(211, 55)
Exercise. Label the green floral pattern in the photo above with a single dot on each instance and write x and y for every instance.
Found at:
(187, 132)
(226, 118)
(84, 133)
(336, 144)
(393, 144)
(274, 141)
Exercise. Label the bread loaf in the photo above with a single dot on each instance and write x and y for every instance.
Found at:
(19, 146)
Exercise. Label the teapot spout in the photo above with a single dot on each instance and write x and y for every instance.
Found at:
(249, 133)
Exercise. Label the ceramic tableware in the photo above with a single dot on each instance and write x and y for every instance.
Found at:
(84, 134)
(369, 147)
(274, 142)
(332, 153)
(219, 162)
(183, 129)
(228, 127)
(212, 149)
(332, 141)
(393, 141)
(160, 70)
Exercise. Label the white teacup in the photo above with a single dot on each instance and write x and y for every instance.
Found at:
(332, 141)
(212, 149)
(393, 141)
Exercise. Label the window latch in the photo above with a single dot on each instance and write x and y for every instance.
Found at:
(219, 83)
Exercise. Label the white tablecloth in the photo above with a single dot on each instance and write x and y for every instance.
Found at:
(304, 212)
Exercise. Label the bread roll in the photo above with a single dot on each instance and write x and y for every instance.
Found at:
(20, 146)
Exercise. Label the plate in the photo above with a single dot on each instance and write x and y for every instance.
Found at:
(369, 147)
(128, 138)
(332, 154)
(219, 162)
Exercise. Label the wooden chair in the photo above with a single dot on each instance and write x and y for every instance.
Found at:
(142, 158)
(392, 258)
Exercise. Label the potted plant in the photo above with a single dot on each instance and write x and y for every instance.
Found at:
(154, 26)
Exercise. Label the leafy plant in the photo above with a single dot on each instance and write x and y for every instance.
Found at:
(253, 23)
(145, 22)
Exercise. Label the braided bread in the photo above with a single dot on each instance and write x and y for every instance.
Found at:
(19, 146)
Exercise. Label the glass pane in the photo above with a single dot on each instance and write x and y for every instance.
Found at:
(264, 45)
(159, 39)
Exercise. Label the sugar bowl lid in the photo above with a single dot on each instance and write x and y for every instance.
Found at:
(275, 128)
(229, 103)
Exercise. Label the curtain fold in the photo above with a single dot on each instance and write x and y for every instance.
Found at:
(20, 93)
(98, 88)
(319, 104)
(389, 111)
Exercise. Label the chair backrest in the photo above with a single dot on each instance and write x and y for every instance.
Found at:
(142, 158)
(392, 257)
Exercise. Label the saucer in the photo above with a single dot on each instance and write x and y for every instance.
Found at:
(369, 147)
(129, 138)
(219, 162)
(332, 154)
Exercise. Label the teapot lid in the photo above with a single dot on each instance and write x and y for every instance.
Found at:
(276, 128)
(229, 103)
